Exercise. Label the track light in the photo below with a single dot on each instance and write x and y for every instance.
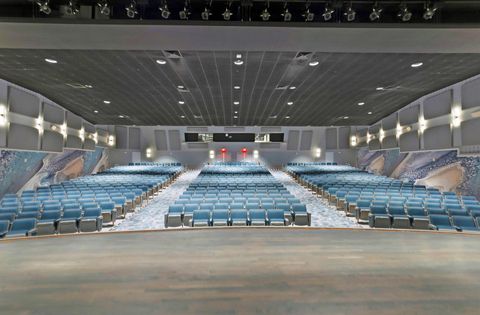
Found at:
(309, 16)
(104, 8)
(327, 14)
(287, 16)
(183, 15)
(44, 7)
(227, 14)
(429, 11)
(165, 11)
(350, 14)
(70, 9)
(375, 14)
(265, 15)
(206, 14)
(405, 15)
(131, 9)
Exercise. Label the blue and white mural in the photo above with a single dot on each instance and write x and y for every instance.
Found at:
(442, 169)
(20, 170)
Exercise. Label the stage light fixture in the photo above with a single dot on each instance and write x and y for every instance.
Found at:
(376, 12)
(265, 15)
(287, 16)
(104, 7)
(404, 14)
(227, 14)
(350, 14)
(206, 14)
(185, 13)
(309, 16)
(131, 9)
(165, 11)
(327, 14)
(429, 11)
(44, 7)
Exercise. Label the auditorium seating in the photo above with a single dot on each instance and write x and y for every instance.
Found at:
(236, 194)
(385, 202)
(84, 204)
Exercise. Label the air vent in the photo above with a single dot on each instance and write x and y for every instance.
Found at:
(172, 54)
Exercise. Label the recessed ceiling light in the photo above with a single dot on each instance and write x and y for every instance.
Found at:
(287, 117)
(273, 117)
(292, 87)
(313, 63)
(238, 62)
(50, 60)
(236, 87)
(369, 113)
(121, 116)
(88, 86)
(380, 88)
(235, 117)
(181, 102)
(239, 56)
(346, 117)
(180, 87)
(416, 65)
(107, 102)
(361, 103)
(161, 61)
(236, 103)
(236, 112)
(95, 111)
(289, 103)
(182, 116)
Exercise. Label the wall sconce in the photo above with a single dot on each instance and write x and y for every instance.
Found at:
(81, 134)
(456, 117)
(63, 130)
(369, 137)
(318, 153)
(39, 124)
(353, 141)
(211, 154)
(3, 115)
(422, 123)
(111, 141)
(381, 135)
(148, 153)
(255, 154)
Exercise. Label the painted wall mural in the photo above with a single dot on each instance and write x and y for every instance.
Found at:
(442, 169)
(22, 170)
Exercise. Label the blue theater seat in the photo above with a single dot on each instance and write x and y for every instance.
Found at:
(239, 218)
(465, 223)
(220, 217)
(69, 221)
(174, 216)
(441, 222)
(91, 221)
(201, 218)
(23, 227)
(48, 222)
(276, 217)
(4, 226)
(378, 217)
(257, 217)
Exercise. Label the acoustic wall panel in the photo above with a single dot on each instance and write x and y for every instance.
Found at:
(470, 132)
(3, 137)
(409, 141)
(88, 128)
(438, 105)
(74, 142)
(121, 137)
(52, 141)
(306, 140)
(102, 137)
(174, 140)
(274, 145)
(53, 114)
(344, 137)
(438, 137)
(134, 138)
(390, 122)
(389, 142)
(331, 138)
(23, 103)
(23, 137)
(409, 115)
(89, 144)
(361, 137)
(374, 144)
(293, 139)
(74, 121)
(197, 129)
(271, 129)
(471, 94)
(197, 145)
(161, 140)
(374, 130)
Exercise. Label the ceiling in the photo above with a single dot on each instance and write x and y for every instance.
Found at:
(146, 93)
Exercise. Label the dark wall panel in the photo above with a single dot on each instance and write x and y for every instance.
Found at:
(389, 142)
(409, 115)
(134, 138)
(293, 140)
(53, 114)
(52, 141)
(121, 137)
(471, 94)
(331, 139)
(161, 140)
(409, 141)
(74, 121)
(390, 122)
(344, 137)
(74, 142)
(306, 140)
(438, 137)
(174, 140)
(23, 137)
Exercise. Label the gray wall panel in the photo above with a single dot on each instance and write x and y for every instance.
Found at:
(390, 122)
(306, 140)
(389, 142)
(53, 114)
(174, 140)
(471, 94)
(23, 103)
(52, 141)
(409, 115)
(88, 127)
(89, 144)
(121, 137)
(344, 137)
(374, 144)
(438, 105)
(409, 141)
(74, 121)
(439, 137)
(331, 139)
(134, 138)
(74, 142)
(470, 132)
(161, 140)
(23, 137)
(293, 140)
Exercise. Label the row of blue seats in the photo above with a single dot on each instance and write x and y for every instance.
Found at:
(311, 163)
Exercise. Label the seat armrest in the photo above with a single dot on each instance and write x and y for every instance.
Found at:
(433, 227)
(459, 229)
(287, 221)
(190, 222)
(32, 232)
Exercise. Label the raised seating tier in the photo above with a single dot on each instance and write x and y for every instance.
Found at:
(387, 202)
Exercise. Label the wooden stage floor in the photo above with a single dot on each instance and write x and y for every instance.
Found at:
(242, 271)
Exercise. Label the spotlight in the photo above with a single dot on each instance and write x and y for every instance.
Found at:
(165, 11)
(227, 14)
(71, 9)
(183, 15)
(44, 7)
(429, 12)
(265, 15)
(206, 14)
(327, 14)
(309, 16)
(287, 16)
(104, 8)
(350, 14)
(405, 15)
(375, 14)
(131, 9)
